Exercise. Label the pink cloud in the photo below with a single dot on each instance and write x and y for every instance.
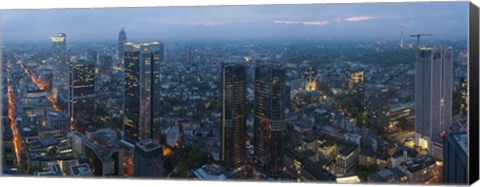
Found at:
(358, 18)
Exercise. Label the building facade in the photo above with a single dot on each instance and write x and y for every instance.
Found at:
(81, 90)
(148, 159)
(270, 120)
(433, 98)
(455, 163)
(60, 60)
(233, 114)
(122, 39)
(142, 90)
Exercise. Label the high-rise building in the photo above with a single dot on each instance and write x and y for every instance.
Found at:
(433, 98)
(142, 91)
(148, 159)
(188, 55)
(455, 158)
(81, 90)
(270, 120)
(233, 114)
(60, 62)
(59, 46)
(122, 39)
(378, 107)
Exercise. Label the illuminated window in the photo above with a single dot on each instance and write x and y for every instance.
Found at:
(423, 143)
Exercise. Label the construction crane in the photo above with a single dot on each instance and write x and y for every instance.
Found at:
(418, 37)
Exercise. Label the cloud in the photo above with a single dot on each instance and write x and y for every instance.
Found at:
(325, 22)
(358, 18)
(318, 23)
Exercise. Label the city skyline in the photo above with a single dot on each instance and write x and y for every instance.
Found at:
(315, 21)
(293, 108)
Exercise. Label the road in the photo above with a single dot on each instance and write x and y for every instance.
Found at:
(40, 85)
(17, 140)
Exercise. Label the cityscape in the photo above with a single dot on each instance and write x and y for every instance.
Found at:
(252, 93)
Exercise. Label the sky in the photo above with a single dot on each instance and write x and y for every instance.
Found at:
(445, 20)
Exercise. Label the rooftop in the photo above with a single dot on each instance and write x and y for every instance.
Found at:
(416, 164)
(212, 172)
(81, 170)
(387, 175)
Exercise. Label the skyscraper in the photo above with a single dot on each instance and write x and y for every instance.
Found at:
(81, 90)
(433, 98)
(378, 107)
(188, 55)
(270, 120)
(148, 159)
(122, 39)
(233, 114)
(142, 90)
(455, 163)
(60, 61)
(59, 46)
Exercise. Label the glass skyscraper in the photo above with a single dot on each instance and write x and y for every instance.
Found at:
(234, 77)
(270, 120)
(142, 90)
(122, 39)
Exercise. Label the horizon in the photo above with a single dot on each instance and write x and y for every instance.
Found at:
(378, 21)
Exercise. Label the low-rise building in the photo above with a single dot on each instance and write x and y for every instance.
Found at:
(53, 170)
(346, 160)
(212, 172)
(369, 158)
(300, 166)
(81, 170)
(420, 169)
(46, 151)
(394, 175)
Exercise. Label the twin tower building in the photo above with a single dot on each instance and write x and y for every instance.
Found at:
(142, 109)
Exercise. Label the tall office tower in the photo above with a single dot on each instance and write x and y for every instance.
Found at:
(148, 159)
(401, 35)
(270, 120)
(122, 39)
(188, 55)
(59, 46)
(81, 90)
(455, 163)
(433, 98)
(141, 97)
(378, 107)
(60, 62)
(233, 114)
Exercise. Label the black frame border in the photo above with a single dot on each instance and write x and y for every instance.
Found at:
(474, 75)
